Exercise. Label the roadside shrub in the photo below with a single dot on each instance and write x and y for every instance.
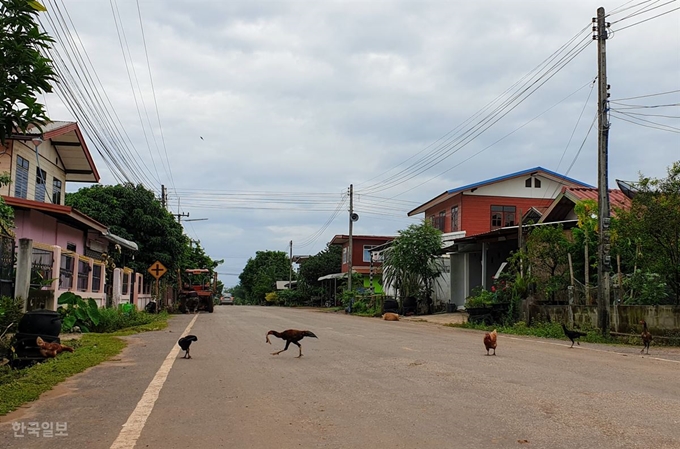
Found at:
(289, 298)
(75, 311)
(112, 319)
(10, 311)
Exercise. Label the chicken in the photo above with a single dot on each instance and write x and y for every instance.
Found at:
(390, 317)
(185, 342)
(490, 341)
(646, 337)
(51, 349)
(291, 336)
(573, 335)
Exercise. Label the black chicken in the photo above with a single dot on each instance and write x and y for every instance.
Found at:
(185, 342)
(291, 336)
(573, 335)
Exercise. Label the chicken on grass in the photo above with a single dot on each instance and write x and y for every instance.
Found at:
(490, 341)
(573, 335)
(646, 337)
(185, 342)
(51, 349)
(291, 336)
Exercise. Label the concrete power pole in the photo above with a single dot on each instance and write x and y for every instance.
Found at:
(349, 255)
(164, 197)
(604, 260)
(290, 268)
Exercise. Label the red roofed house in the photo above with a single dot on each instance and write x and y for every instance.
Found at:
(486, 207)
(67, 245)
(361, 258)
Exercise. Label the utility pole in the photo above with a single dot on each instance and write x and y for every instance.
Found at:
(349, 256)
(604, 259)
(290, 268)
(180, 215)
(164, 197)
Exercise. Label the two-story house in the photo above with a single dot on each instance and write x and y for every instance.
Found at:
(67, 245)
(485, 206)
(361, 260)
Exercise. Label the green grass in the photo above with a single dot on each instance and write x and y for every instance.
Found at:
(544, 330)
(18, 387)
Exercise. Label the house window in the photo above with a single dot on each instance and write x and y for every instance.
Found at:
(367, 252)
(21, 181)
(40, 184)
(454, 219)
(438, 222)
(527, 183)
(71, 246)
(537, 183)
(502, 216)
(344, 255)
(56, 191)
(126, 284)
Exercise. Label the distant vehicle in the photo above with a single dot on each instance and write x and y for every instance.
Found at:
(227, 300)
(197, 289)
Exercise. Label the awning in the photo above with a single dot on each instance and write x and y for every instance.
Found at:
(333, 276)
(125, 243)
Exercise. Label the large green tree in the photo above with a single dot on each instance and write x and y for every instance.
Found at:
(24, 71)
(327, 261)
(134, 213)
(260, 274)
(411, 263)
(547, 251)
(648, 235)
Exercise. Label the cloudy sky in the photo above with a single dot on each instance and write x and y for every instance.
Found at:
(257, 116)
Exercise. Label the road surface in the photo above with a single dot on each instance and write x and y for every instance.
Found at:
(364, 383)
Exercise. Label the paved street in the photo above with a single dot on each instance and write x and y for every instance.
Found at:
(365, 383)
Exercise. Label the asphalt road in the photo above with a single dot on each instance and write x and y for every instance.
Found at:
(365, 383)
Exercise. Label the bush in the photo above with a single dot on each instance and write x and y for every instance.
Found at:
(112, 320)
(75, 311)
(10, 311)
(480, 298)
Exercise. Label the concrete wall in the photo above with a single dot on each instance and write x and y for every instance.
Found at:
(625, 319)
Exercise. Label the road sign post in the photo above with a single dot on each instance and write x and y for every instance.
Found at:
(157, 270)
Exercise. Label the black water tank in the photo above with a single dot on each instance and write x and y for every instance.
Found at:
(41, 322)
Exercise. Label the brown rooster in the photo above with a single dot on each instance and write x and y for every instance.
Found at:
(646, 337)
(51, 349)
(291, 336)
(490, 341)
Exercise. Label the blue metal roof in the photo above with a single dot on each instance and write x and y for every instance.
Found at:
(513, 175)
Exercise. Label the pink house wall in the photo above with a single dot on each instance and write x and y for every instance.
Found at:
(44, 229)
(66, 234)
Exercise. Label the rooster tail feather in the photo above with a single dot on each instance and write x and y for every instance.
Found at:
(309, 334)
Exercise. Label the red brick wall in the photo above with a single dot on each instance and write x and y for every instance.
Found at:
(446, 206)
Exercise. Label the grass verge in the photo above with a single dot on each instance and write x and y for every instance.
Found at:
(544, 330)
(17, 387)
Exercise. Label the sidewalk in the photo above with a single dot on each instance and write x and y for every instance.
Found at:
(440, 318)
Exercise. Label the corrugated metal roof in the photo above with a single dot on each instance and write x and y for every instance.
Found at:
(616, 197)
(50, 126)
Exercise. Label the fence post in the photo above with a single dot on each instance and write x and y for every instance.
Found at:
(22, 282)
(570, 291)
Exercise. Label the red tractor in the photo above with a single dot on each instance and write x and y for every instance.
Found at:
(197, 290)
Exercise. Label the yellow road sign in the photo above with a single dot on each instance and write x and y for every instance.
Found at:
(157, 269)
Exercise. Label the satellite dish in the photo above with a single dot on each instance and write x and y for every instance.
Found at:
(354, 217)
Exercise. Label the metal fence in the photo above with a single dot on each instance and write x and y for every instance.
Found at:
(7, 263)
